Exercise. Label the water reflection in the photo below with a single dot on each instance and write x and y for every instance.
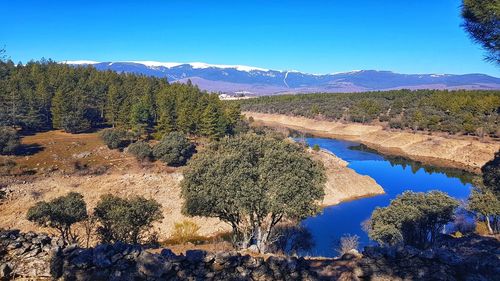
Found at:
(394, 174)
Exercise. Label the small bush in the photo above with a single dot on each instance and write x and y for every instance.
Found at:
(9, 140)
(7, 167)
(174, 149)
(348, 243)
(126, 220)
(84, 169)
(141, 150)
(185, 231)
(60, 213)
(114, 138)
(75, 124)
(316, 147)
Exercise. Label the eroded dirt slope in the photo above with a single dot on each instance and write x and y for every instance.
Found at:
(465, 153)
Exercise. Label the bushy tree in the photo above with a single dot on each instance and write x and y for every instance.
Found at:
(114, 138)
(126, 220)
(485, 197)
(74, 123)
(141, 150)
(491, 174)
(174, 149)
(253, 182)
(9, 140)
(60, 213)
(481, 21)
(483, 202)
(413, 218)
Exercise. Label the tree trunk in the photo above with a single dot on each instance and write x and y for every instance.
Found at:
(488, 224)
(260, 239)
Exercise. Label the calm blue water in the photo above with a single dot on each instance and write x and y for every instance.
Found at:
(394, 175)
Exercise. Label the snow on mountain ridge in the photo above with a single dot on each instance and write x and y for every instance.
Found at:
(78, 62)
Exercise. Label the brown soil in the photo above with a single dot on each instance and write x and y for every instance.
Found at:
(126, 178)
(343, 183)
(447, 151)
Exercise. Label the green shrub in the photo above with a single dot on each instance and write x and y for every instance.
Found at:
(75, 124)
(60, 213)
(126, 220)
(174, 149)
(316, 147)
(141, 150)
(252, 182)
(9, 140)
(114, 138)
(413, 218)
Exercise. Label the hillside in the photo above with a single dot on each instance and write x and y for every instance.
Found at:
(466, 153)
(104, 171)
(260, 81)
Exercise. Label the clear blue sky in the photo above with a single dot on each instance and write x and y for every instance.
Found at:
(407, 36)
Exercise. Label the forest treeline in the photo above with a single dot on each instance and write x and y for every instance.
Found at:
(46, 95)
(462, 111)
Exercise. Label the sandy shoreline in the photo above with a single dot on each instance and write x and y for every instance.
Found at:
(343, 183)
(464, 153)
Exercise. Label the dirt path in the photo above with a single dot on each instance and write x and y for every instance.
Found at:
(464, 153)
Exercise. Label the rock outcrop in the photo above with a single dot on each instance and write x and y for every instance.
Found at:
(468, 258)
(31, 255)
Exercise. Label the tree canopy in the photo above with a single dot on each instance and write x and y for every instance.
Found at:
(413, 218)
(46, 95)
(174, 149)
(485, 197)
(126, 220)
(462, 111)
(482, 22)
(253, 182)
(60, 213)
(9, 140)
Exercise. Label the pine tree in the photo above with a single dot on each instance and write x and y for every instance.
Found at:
(112, 105)
(212, 124)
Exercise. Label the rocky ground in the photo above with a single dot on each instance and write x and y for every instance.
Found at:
(467, 153)
(40, 257)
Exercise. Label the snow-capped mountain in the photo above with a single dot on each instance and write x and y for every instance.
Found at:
(260, 81)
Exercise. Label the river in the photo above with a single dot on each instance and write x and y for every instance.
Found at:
(395, 175)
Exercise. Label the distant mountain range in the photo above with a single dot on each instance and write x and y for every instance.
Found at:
(239, 79)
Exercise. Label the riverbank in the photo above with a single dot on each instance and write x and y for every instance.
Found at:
(343, 183)
(464, 153)
(125, 177)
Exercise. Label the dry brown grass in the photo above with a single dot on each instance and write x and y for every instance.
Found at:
(124, 176)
